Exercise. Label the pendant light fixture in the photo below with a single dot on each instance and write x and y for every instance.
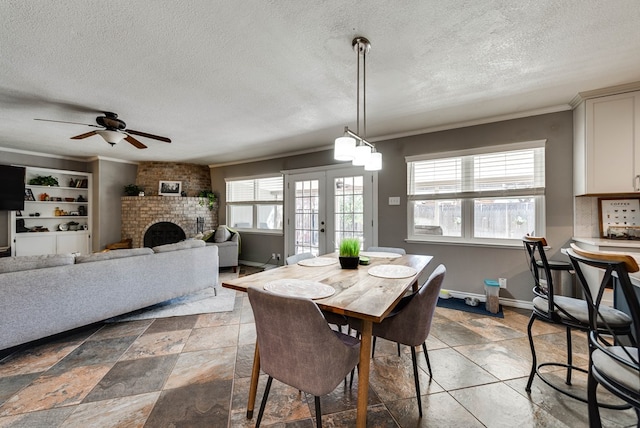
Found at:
(351, 146)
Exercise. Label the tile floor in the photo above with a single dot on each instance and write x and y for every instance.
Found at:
(193, 371)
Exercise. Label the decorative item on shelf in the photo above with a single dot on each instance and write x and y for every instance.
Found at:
(132, 190)
(141, 193)
(81, 199)
(169, 188)
(57, 212)
(210, 198)
(349, 253)
(41, 180)
(183, 194)
(72, 182)
(28, 195)
(82, 210)
(69, 199)
(43, 196)
(73, 225)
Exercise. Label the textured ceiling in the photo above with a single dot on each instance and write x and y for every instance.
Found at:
(234, 80)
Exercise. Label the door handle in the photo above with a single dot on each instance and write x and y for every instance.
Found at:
(322, 230)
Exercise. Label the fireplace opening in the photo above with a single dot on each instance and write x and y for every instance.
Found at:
(162, 233)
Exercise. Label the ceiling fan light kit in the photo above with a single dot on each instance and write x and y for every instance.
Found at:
(351, 146)
(115, 130)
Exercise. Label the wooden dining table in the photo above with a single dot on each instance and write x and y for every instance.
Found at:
(358, 294)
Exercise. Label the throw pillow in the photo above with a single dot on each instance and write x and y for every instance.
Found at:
(182, 245)
(209, 235)
(114, 254)
(20, 263)
(222, 234)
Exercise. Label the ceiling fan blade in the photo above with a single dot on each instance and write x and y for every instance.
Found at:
(81, 136)
(144, 134)
(73, 123)
(135, 142)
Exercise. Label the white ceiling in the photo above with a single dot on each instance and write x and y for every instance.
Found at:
(235, 80)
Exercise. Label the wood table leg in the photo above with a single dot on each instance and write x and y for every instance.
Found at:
(253, 387)
(363, 373)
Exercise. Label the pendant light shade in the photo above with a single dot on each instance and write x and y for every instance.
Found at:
(374, 163)
(362, 154)
(344, 148)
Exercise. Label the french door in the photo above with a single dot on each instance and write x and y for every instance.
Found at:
(324, 206)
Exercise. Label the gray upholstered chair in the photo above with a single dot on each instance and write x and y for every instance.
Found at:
(614, 361)
(411, 324)
(387, 250)
(292, 260)
(298, 348)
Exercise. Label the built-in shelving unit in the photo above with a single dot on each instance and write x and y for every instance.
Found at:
(56, 218)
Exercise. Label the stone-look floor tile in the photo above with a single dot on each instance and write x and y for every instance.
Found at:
(342, 398)
(497, 405)
(11, 384)
(202, 367)
(240, 395)
(212, 338)
(130, 377)
(491, 328)
(37, 359)
(377, 417)
(199, 405)
(157, 344)
(573, 412)
(247, 316)
(41, 419)
(172, 324)
(47, 392)
(217, 319)
(504, 360)
(454, 334)
(247, 334)
(553, 348)
(392, 377)
(244, 360)
(439, 410)
(121, 329)
(455, 315)
(130, 412)
(451, 370)
(94, 352)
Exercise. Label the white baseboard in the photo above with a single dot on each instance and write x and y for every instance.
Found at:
(513, 303)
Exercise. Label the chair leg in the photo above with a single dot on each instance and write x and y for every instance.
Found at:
(594, 411)
(533, 353)
(264, 401)
(318, 412)
(569, 356)
(373, 347)
(416, 379)
(353, 370)
(426, 357)
(398, 349)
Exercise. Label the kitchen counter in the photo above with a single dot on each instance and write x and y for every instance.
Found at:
(610, 244)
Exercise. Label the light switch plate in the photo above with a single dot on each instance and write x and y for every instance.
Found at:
(394, 200)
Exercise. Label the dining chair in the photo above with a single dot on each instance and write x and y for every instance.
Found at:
(614, 361)
(568, 312)
(395, 250)
(292, 260)
(411, 324)
(298, 348)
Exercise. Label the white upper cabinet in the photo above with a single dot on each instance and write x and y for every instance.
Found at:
(607, 145)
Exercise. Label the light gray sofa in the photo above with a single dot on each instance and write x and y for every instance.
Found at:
(61, 292)
(227, 252)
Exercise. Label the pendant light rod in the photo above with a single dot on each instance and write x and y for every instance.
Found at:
(349, 132)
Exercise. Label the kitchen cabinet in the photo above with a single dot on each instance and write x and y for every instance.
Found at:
(57, 214)
(607, 145)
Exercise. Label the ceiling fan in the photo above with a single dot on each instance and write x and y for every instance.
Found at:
(115, 130)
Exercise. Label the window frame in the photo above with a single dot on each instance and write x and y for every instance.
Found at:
(468, 198)
(255, 203)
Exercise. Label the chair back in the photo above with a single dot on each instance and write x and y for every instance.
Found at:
(297, 346)
(292, 260)
(412, 324)
(388, 250)
(615, 267)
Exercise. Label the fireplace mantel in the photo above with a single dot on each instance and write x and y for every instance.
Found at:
(141, 212)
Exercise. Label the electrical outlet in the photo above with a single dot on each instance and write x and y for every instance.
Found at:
(273, 256)
(502, 282)
(278, 256)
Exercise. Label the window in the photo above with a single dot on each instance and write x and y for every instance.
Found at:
(492, 195)
(255, 203)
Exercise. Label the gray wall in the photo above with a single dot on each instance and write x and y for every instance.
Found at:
(467, 266)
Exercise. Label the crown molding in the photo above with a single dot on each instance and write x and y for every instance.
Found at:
(603, 92)
(104, 158)
(44, 155)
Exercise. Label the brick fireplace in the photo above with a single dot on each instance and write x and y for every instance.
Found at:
(139, 213)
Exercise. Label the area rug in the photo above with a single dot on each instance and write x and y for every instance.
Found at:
(460, 305)
(202, 302)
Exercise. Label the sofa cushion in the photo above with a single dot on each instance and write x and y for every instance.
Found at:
(114, 254)
(20, 263)
(209, 235)
(222, 234)
(182, 245)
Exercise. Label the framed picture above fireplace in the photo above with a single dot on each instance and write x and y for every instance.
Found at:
(170, 188)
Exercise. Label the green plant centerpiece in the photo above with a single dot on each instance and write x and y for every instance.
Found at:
(42, 180)
(207, 197)
(132, 190)
(349, 253)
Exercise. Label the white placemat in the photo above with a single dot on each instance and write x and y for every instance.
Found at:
(392, 271)
(300, 288)
(318, 261)
(380, 254)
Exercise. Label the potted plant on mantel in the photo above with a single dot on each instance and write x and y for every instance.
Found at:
(132, 190)
(349, 253)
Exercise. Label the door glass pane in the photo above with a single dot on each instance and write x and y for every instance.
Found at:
(306, 217)
(437, 217)
(349, 208)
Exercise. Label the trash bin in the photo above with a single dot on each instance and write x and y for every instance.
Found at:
(565, 283)
(492, 292)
